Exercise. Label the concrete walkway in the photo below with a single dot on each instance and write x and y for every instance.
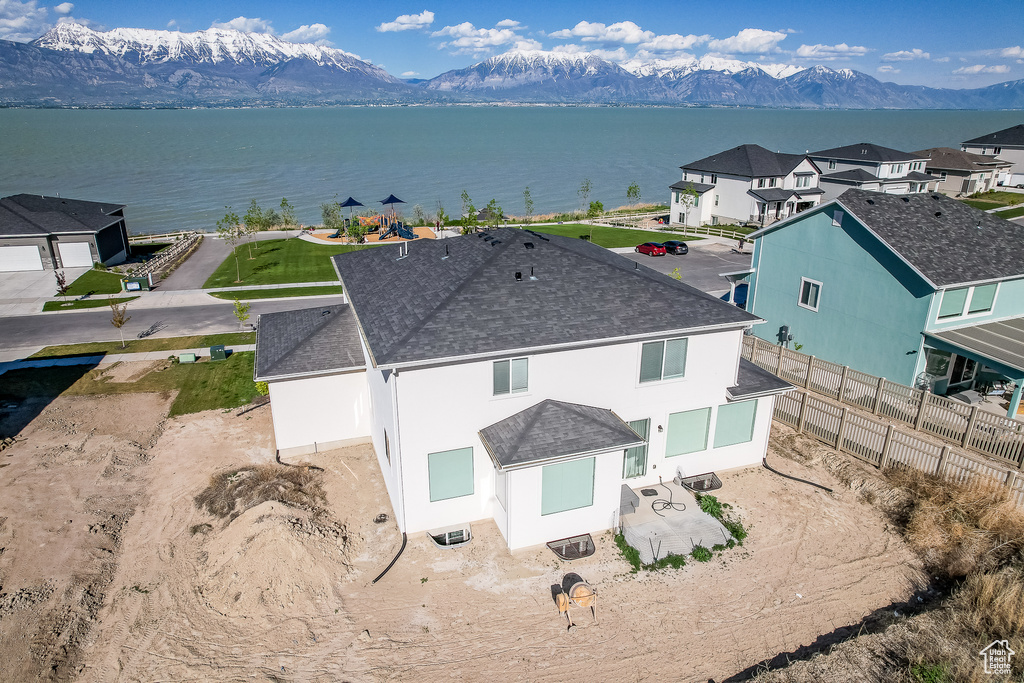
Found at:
(105, 359)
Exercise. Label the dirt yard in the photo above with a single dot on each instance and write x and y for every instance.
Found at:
(110, 572)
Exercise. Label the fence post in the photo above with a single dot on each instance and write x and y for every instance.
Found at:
(1011, 480)
(942, 461)
(878, 395)
(921, 409)
(970, 427)
(778, 362)
(883, 461)
(842, 384)
(810, 366)
(803, 414)
(842, 428)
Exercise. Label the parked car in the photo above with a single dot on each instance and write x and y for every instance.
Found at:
(676, 247)
(740, 296)
(651, 249)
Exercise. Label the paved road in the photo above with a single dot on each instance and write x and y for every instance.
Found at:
(699, 268)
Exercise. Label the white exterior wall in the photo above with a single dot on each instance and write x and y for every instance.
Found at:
(384, 418)
(317, 413)
(1015, 155)
(444, 408)
(734, 204)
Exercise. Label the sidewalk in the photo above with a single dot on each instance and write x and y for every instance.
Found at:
(105, 359)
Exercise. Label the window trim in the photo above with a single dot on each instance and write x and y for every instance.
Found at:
(472, 474)
(800, 297)
(965, 310)
(664, 351)
(511, 389)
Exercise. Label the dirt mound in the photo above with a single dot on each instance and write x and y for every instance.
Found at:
(243, 574)
(232, 492)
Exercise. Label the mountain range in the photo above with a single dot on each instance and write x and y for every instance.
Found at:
(72, 65)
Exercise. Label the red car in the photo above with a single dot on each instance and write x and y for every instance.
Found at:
(651, 249)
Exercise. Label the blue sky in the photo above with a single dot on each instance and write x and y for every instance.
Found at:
(938, 43)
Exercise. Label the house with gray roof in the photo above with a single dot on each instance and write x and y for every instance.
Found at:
(920, 289)
(49, 233)
(745, 184)
(867, 166)
(962, 173)
(1006, 145)
(516, 377)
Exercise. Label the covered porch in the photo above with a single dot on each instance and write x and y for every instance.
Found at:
(984, 360)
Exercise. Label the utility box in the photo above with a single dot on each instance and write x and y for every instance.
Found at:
(218, 353)
(187, 358)
(136, 284)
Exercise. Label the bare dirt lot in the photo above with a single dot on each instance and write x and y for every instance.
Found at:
(110, 572)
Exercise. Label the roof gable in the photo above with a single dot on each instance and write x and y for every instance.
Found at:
(752, 161)
(1013, 135)
(460, 297)
(865, 151)
(947, 158)
(307, 341)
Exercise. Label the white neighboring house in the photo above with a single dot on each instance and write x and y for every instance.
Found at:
(745, 184)
(867, 166)
(517, 377)
(1007, 145)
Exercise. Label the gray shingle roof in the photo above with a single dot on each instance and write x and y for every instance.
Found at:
(855, 175)
(772, 194)
(31, 214)
(752, 161)
(307, 341)
(947, 241)
(754, 382)
(555, 430)
(809, 191)
(1008, 136)
(701, 188)
(428, 307)
(947, 158)
(866, 151)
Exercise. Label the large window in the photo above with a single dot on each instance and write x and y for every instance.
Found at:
(510, 376)
(735, 423)
(803, 181)
(687, 432)
(450, 474)
(663, 360)
(967, 300)
(567, 486)
(634, 464)
(810, 293)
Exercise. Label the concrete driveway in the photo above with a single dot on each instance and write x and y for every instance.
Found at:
(32, 284)
(699, 268)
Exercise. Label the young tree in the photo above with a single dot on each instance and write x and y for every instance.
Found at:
(595, 210)
(356, 231)
(254, 221)
(688, 198)
(584, 193)
(271, 218)
(442, 217)
(119, 317)
(287, 214)
(62, 283)
(331, 213)
(468, 214)
(494, 213)
(229, 229)
(242, 311)
(633, 193)
(418, 215)
(528, 204)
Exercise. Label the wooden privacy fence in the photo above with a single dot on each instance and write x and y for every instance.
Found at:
(884, 445)
(964, 425)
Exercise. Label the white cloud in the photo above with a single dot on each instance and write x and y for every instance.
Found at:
(527, 44)
(749, 41)
(508, 23)
(253, 25)
(906, 55)
(622, 32)
(982, 69)
(172, 24)
(468, 39)
(89, 23)
(1010, 52)
(617, 55)
(408, 22)
(22, 21)
(313, 33)
(410, 74)
(829, 52)
(64, 8)
(672, 43)
(942, 59)
(888, 69)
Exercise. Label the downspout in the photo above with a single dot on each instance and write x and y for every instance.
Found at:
(401, 487)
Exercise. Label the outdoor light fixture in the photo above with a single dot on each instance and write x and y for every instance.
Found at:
(660, 428)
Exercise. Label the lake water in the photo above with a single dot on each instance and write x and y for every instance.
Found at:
(178, 169)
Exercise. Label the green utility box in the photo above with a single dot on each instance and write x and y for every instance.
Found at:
(135, 284)
(218, 353)
(187, 358)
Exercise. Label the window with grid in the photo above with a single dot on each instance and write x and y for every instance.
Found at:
(511, 376)
(663, 360)
(810, 293)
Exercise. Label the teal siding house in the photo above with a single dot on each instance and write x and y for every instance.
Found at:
(920, 289)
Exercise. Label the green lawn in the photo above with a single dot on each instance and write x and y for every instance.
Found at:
(62, 305)
(609, 238)
(1011, 213)
(979, 204)
(144, 345)
(279, 262)
(995, 198)
(96, 282)
(201, 386)
(244, 294)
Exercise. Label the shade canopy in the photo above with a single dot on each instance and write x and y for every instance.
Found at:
(392, 199)
(350, 202)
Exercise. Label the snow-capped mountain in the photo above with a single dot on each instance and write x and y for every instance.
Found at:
(683, 66)
(212, 46)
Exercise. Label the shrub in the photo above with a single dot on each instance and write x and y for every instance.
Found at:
(701, 554)
(262, 388)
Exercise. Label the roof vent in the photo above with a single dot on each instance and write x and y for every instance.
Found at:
(871, 202)
(532, 276)
(528, 245)
(488, 238)
(325, 312)
(519, 276)
(445, 253)
(906, 199)
(938, 214)
(636, 265)
(495, 243)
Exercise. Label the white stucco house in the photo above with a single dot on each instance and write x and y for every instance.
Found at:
(517, 377)
(745, 184)
(1006, 145)
(867, 166)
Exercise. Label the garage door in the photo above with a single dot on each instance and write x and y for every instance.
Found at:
(20, 258)
(74, 254)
